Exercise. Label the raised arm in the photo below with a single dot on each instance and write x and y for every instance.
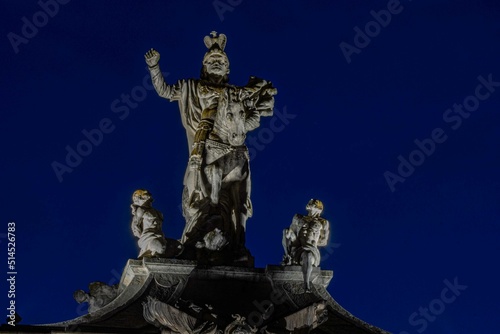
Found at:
(163, 89)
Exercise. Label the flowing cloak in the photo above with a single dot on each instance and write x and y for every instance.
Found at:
(190, 104)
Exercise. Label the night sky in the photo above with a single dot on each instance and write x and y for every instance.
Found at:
(387, 111)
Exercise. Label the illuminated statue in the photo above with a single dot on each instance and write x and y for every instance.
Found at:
(216, 117)
(146, 225)
(302, 239)
(99, 295)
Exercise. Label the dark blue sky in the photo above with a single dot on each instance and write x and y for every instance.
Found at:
(343, 125)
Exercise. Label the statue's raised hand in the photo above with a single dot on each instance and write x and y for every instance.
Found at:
(152, 57)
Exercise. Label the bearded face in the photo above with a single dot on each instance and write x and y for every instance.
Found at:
(215, 64)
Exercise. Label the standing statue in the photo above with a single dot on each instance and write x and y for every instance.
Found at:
(146, 225)
(302, 239)
(216, 117)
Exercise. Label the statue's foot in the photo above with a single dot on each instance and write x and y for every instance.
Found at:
(287, 260)
(307, 287)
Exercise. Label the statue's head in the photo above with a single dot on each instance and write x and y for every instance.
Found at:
(314, 207)
(141, 196)
(80, 296)
(215, 62)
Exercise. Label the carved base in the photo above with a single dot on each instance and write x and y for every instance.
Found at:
(180, 296)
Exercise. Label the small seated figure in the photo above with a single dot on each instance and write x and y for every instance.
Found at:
(302, 239)
(146, 225)
(100, 295)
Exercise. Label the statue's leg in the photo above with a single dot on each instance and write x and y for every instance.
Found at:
(216, 171)
(286, 240)
(307, 267)
(236, 215)
(242, 200)
(248, 190)
(286, 247)
(186, 194)
(157, 246)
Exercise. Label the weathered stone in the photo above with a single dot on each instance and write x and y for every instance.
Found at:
(217, 186)
(100, 294)
(147, 226)
(302, 239)
(272, 300)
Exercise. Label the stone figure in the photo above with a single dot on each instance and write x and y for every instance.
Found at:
(100, 294)
(302, 239)
(146, 225)
(239, 326)
(172, 320)
(216, 117)
(213, 240)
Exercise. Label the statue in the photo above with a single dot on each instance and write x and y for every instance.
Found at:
(171, 319)
(239, 326)
(302, 239)
(100, 295)
(146, 225)
(216, 117)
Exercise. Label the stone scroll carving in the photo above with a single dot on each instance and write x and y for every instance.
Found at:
(172, 320)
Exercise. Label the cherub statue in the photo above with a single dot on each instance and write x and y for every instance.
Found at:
(302, 239)
(146, 225)
(100, 295)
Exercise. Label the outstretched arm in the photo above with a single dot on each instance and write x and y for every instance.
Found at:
(163, 89)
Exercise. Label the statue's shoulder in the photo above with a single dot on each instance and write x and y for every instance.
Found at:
(322, 220)
(187, 82)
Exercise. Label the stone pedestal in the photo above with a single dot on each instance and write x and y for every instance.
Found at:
(175, 293)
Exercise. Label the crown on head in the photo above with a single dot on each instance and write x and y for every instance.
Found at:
(315, 202)
(215, 44)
